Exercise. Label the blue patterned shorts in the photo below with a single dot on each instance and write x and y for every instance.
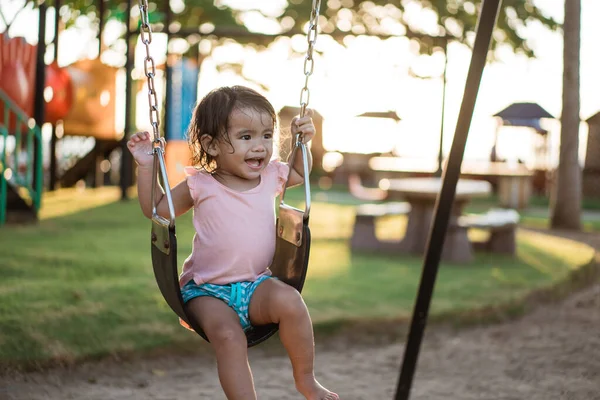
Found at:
(237, 295)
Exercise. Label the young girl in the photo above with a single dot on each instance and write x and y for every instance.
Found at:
(226, 282)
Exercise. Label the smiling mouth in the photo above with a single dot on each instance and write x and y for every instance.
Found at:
(255, 162)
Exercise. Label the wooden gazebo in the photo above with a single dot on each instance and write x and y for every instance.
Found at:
(528, 115)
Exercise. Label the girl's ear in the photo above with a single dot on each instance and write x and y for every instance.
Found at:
(209, 145)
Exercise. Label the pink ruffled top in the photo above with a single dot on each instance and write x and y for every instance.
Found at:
(235, 231)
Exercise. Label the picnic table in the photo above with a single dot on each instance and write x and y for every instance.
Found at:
(421, 194)
(514, 180)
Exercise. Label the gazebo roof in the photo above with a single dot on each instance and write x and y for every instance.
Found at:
(524, 114)
(594, 118)
(381, 114)
(523, 111)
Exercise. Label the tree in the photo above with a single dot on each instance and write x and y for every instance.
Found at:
(340, 18)
(454, 18)
(566, 210)
(194, 12)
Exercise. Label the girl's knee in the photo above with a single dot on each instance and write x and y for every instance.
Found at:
(227, 335)
(289, 302)
(275, 300)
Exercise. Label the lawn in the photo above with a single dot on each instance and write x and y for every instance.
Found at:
(80, 283)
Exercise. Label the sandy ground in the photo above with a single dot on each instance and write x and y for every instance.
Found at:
(551, 353)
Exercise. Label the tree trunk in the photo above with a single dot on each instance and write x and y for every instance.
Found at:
(566, 213)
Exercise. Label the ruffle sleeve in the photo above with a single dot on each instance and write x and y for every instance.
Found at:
(193, 176)
(282, 171)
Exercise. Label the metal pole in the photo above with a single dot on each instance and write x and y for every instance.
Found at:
(444, 82)
(100, 26)
(53, 138)
(40, 83)
(126, 161)
(445, 200)
(98, 152)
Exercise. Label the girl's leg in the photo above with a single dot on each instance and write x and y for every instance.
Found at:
(222, 327)
(276, 302)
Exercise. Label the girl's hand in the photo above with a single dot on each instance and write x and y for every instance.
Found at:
(140, 147)
(304, 126)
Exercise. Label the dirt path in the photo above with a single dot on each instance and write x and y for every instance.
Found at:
(552, 353)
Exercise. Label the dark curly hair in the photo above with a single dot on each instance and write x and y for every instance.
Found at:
(211, 117)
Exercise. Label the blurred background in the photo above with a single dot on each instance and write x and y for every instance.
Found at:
(387, 82)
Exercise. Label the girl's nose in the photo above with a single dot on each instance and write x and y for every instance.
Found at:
(259, 147)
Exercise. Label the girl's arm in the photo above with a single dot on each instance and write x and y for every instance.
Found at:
(307, 128)
(182, 200)
(140, 147)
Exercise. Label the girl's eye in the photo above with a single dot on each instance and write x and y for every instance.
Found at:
(268, 135)
(245, 137)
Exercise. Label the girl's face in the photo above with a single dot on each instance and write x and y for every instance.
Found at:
(251, 135)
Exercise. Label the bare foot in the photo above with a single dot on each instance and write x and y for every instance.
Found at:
(312, 390)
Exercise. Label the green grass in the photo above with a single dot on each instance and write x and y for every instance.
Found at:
(385, 286)
(544, 201)
(80, 283)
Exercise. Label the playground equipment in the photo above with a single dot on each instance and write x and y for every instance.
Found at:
(81, 95)
(181, 98)
(58, 93)
(20, 137)
(94, 92)
(20, 178)
(292, 246)
(91, 114)
(17, 76)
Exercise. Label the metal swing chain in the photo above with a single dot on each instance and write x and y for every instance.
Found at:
(149, 68)
(309, 66)
(309, 62)
(158, 142)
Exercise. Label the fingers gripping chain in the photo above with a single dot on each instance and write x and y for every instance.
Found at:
(160, 143)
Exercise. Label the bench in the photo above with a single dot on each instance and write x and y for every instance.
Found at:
(364, 193)
(363, 235)
(501, 223)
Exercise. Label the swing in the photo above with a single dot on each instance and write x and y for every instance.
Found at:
(292, 245)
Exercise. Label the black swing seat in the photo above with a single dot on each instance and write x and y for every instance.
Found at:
(290, 264)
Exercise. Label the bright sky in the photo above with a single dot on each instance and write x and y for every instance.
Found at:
(371, 75)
